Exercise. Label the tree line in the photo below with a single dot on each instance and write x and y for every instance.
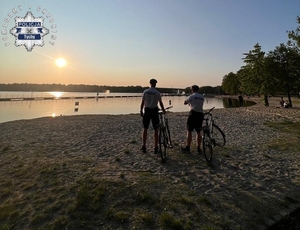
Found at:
(101, 88)
(76, 88)
(207, 90)
(267, 74)
(68, 88)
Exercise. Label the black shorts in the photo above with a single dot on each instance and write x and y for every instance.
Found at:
(194, 121)
(151, 114)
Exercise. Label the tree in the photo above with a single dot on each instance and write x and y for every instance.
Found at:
(246, 85)
(254, 77)
(231, 83)
(284, 65)
(294, 35)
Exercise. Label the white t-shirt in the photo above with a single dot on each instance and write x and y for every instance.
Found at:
(151, 97)
(195, 101)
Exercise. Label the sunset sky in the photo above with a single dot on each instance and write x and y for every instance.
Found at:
(127, 42)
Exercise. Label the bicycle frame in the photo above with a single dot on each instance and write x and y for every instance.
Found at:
(162, 117)
(209, 122)
(164, 137)
(212, 135)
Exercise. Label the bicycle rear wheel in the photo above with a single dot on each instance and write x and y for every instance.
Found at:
(207, 145)
(162, 140)
(218, 136)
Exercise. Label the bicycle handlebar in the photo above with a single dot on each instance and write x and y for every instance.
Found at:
(167, 108)
(210, 110)
(206, 114)
(160, 110)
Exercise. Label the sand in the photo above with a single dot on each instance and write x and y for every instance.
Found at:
(245, 169)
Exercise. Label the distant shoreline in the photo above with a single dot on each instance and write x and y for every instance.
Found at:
(80, 88)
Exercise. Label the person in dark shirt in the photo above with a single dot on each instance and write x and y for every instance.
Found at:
(241, 100)
(229, 102)
(281, 102)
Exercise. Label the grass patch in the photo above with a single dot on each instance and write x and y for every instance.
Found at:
(286, 126)
(167, 221)
(126, 151)
(266, 156)
(290, 144)
(5, 148)
(145, 217)
(133, 142)
(203, 200)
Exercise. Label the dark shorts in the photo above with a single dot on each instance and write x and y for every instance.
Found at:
(151, 114)
(194, 121)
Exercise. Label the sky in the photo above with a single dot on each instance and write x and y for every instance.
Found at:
(128, 42)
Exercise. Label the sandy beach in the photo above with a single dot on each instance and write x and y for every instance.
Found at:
(252, 183)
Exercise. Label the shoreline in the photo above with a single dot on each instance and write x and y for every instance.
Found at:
(245, 169)
(273, 101)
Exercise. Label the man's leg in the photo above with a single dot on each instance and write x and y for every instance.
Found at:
(188, 138)
(155, 137)
(155, 123)
(155, 141)
(188, 142)
(146, 122)
(189, 127)
(144, 136)
(199, 141)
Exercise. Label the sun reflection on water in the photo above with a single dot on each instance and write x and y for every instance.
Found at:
(57, 94)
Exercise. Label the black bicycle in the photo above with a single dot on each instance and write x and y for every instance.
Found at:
(212, 135)
(164, 136)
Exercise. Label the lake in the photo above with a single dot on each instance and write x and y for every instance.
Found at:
(106, 103)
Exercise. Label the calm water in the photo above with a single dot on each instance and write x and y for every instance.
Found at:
(16, 110)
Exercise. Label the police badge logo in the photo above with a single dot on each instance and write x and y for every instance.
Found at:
(29, 31)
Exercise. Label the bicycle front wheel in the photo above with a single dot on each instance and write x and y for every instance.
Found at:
(168, 135)
(207, 145)
(218, 136)
(162, 140)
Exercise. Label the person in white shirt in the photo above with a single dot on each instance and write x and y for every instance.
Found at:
(151, 97)
(195, 118)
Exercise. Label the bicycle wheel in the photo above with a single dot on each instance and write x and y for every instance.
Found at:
(218, 136)
(162, 140)
(169, 142)
(207, 145)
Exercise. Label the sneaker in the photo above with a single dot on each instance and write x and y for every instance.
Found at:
(199, 150)
(143, 149)
(155, 150)
(186, 149)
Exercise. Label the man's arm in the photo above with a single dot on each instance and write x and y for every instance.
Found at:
(186, 101)
(162, 106)
(142, 107)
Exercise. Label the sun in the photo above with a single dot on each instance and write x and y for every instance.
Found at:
(61, 62)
